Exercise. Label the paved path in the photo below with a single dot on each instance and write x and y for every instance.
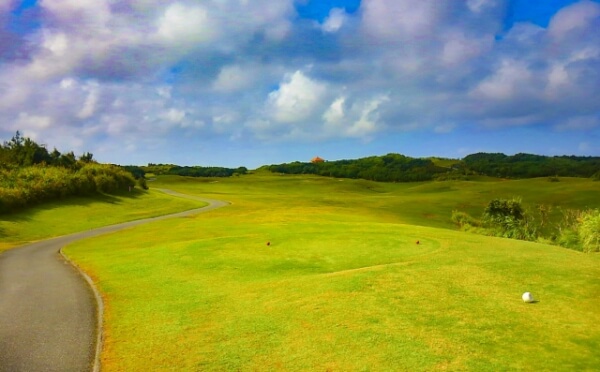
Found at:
(48, 312)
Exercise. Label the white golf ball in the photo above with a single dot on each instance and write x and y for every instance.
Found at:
(527, 297)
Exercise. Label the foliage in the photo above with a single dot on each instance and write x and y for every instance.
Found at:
(387, 168)
(26, 186)
(589, 231)
(529, 166)
(498, 210)
(596, 176)
(21, 151)
(507, 218)
(196, 171)
(142, 183)
(30, 175)
(463, 219)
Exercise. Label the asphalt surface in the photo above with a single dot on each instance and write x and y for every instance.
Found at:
(49, 314)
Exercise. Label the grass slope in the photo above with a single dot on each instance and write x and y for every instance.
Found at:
(77, 214)
(343, 286)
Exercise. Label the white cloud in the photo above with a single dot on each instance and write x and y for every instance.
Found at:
(335, 113)
(296, 99)
(511, 79)
(574, 17)
(89, 106)
(368, 121)
(32, 125)
(399, 19)
(234, 78)
(174, 116)
(185, 25)
(335, 21)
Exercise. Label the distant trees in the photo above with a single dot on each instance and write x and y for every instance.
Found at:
(529, 166)
(196, 171)
(387, 168)
(400, 168)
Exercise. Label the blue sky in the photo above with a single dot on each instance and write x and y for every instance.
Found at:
(238, 82)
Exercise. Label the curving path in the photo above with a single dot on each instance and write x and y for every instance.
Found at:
(50, 317)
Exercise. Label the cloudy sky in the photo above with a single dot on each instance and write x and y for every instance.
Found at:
(254, 82)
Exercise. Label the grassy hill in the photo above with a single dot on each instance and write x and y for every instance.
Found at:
(343, 284)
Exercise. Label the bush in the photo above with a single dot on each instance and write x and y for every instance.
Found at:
(142, 183)
(498, 210)
(569, 239)
(589, 231)
(26, 186)
(462, 219)
(507, 218)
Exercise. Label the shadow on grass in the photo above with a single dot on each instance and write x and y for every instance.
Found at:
(27, 213)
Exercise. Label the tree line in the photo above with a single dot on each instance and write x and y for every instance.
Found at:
(400, 168)
(195, 171)
(387, 168)
(530, 166)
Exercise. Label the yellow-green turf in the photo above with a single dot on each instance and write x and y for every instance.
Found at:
(343, 286)
(79, 214)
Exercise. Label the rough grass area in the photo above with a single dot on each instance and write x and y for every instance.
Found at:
(78, 214)
(343, 284)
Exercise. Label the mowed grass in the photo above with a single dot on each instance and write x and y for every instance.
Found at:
(343, 286)
(79, 214)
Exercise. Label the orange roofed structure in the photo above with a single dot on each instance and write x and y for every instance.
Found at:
(317, 159)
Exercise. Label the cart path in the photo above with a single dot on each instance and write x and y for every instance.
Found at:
(50, 319)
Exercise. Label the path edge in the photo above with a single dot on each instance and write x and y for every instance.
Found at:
(96, 366)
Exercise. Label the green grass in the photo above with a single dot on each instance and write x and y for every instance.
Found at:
(343, 286)
(78, 214)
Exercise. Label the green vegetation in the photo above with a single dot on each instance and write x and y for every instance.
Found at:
(387, 168)
(530, 166)
(343, 284)
(196, 171)
(578, 229)
(30, 175)
(400, 168)
(589, 231)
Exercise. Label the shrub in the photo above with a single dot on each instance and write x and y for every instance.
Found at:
(462, 219)
(142, 183)
(499, 209)
(589, 231)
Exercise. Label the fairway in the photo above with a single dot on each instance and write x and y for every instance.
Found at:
(79, 214)
(342, 285)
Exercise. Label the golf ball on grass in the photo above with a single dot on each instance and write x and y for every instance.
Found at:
(527, 297)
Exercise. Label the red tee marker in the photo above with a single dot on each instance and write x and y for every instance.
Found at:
(418, 242)
(268, 243)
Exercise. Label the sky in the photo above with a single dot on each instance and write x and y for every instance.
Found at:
(255, 82)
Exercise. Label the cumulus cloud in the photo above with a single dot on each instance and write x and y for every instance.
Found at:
(297, 98)
(335, 21)
(137, 72)
(187, 25)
